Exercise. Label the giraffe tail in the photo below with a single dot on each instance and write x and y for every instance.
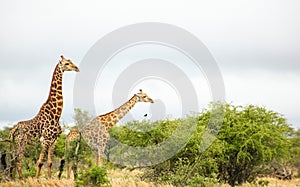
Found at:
(9, 139)
(13, 131)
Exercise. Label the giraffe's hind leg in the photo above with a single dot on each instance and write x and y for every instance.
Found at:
(18, 156)
(19, 164)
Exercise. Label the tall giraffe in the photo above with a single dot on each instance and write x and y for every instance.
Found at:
(45, 125)
(96, 133)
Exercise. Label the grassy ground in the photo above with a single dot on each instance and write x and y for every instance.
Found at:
(126, 178)
(30, 182)
(272, 183)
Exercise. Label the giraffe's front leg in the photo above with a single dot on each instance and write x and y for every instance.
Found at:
(50, 155)
(45, 147)
(101, 148)
(99, 159)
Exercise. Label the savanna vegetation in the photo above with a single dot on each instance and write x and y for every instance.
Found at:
(222, 145)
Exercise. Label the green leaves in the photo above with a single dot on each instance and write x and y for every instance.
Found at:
(81, 117)
(252, 136)
(94, 176)
(247, 137)
(228, 144)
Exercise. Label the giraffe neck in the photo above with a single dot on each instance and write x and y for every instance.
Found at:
(125, 108)
(56, 84)
(117, 114)
(54, 104)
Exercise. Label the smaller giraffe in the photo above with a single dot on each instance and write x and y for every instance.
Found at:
(96, 133)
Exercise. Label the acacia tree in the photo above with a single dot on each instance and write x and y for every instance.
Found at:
(5, 150)
(250, 136)
(247, 137)
(81, 118)
(295, 151)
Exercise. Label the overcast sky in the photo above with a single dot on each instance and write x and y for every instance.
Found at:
(255, 44)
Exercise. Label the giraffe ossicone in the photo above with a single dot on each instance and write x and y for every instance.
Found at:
(45, 125)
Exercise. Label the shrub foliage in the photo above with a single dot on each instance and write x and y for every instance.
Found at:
(247, 138)
(223, 144)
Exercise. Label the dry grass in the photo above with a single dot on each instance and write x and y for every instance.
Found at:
(282, 183)
(117, 178)
(31, 182)
(126, 178)
(272, 183)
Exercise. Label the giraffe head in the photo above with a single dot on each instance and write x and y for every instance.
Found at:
(67, 65)
(143, 97)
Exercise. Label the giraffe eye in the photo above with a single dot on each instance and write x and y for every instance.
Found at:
(144, 96)
(67, 64)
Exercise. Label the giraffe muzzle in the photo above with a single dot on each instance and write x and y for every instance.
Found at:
(76, 69)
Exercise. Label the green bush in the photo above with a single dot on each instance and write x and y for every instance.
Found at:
(246, 137)
(94, 176)
(225, 149)
(263, 182)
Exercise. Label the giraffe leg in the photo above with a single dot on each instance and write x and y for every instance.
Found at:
(99, 160)
(68, 169)
(67, 150)
(50, 155)
(41, 160)
(101, 149)
(19, 154)
(19, 165)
